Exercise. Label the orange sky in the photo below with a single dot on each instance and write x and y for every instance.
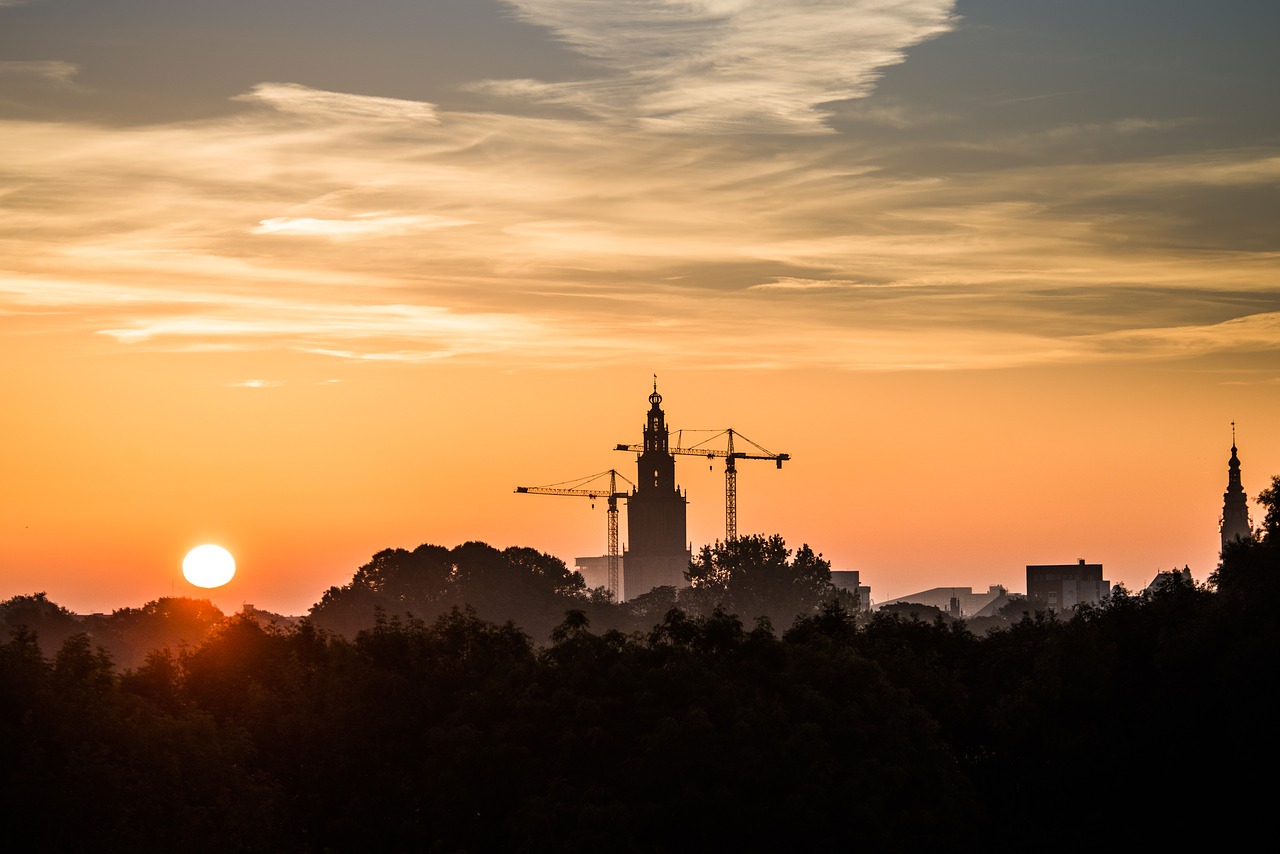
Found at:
(998, 278)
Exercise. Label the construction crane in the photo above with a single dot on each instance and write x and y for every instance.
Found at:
(581, 488)
(730, 457)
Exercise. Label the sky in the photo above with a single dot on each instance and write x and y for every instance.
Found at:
(313, 279)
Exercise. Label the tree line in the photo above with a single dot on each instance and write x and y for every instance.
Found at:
(1146, 717)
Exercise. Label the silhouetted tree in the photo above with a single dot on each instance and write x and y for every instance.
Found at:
(1250, 569)
(914, 611)
(129, 634)
(51, 623)
(88, 765)
(520, 584)
(1269, 498)
(701, 730)
(757, 576)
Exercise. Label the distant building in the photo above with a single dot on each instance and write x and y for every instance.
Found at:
(1063, 586)
(595, 572)
(1165, 578)
(1234, 524)
(850, 579)
(657, 553)
(959, 602)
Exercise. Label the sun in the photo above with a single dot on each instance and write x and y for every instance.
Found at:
(208, 566)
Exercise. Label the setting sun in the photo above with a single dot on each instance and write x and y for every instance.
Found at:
(208, 566)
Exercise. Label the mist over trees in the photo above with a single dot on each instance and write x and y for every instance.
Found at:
(127, 635)
(520, 584)
(1144, 719)
(753, 576)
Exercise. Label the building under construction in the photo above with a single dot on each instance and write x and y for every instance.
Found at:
(657, 551)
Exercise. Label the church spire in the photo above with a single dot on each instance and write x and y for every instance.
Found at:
(655, 428)
(1235, 504)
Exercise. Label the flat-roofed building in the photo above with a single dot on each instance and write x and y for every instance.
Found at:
(959, 602)
(851, 580)
(595, 572)
(1062, 586)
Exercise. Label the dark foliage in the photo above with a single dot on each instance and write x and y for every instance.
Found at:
(758, 576)
(172, 622)
(1250, 569)
(51, 623)
(87, 764)
(460, 734)
(519, 584)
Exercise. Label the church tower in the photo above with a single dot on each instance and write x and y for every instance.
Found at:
(1235, 504)
(657, 553)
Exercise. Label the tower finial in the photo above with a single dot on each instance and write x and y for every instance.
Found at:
(655, 388)
(655, 398)
(1233, 429)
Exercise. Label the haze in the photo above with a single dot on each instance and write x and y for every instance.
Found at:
(309, 280)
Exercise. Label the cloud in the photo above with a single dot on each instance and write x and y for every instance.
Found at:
(1082, 133)
(299, 325)
(1256, 332)
(518, 240)
(791, 283)
(728, 66)
(317, 103)
(361, 225)
(256, 384)
(188, 319)
(54, 70)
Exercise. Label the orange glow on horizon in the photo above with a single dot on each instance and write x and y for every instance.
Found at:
(311, 305)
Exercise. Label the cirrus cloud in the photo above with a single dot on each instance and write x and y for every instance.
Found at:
(728, 66)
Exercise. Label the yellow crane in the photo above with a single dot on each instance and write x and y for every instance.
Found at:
(582, 488)
(730, 457)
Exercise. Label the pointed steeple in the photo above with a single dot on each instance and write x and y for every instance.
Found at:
(655, 428)
(1235, 504)
(658, 553)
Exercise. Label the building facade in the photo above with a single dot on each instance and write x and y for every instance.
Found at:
(595, 572)
(1061, 587)
(657, 552)
(851, 580)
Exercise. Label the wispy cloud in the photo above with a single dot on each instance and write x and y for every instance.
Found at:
(791, 283)
(443, 234)
(53, 70)
(361, 225)
(298, 325)
(256, 384)
(728, 66)
(317, 103)
(1257, 332)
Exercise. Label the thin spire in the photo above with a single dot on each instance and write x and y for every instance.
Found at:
(1233, 424)
(1235, 504)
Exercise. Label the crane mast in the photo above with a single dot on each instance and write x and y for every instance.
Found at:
(577, 488)
(730, 494)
